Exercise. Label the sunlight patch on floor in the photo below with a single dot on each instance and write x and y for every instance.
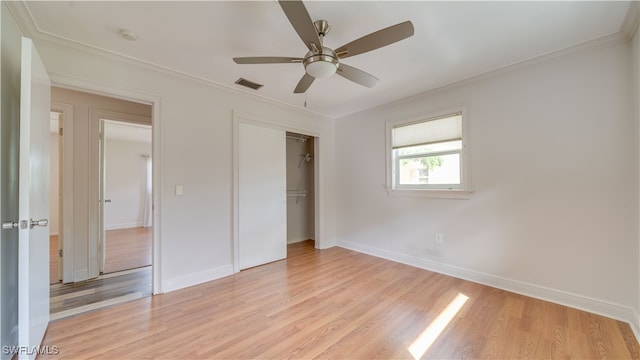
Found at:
(420, 346)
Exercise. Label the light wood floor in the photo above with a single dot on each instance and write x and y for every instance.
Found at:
(337, 303)
(127, 249)
(128, 275)
(106, 290)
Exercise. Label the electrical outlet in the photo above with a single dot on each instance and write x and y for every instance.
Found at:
(439, 239)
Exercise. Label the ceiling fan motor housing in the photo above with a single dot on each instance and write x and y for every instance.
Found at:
(322, 64)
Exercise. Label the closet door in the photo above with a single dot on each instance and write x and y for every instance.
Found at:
(262, 195)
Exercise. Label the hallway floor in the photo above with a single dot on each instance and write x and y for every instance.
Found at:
(106, 290)
(126, 275)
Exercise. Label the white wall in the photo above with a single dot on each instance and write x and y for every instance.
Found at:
(554, 213)
(125, 183)
(54, 200)
(300, 210)
(194, 138)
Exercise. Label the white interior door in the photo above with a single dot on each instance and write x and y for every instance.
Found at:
(33, 248)
(262, 195)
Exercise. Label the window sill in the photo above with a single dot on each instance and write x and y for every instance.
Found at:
(434, 194)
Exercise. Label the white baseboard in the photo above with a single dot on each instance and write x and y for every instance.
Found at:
(122, 226)
(635, 325)
(182, 282)
(596, 306)
(81, 275)
(293, 241)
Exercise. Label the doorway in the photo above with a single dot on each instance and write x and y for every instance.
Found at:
(126, 187)
(86, 284)
(300, 188)
(55, 203)
(275, 197)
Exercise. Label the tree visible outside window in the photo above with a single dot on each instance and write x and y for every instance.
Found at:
(428, 154)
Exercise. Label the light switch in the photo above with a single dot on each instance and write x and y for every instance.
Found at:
(179, 190)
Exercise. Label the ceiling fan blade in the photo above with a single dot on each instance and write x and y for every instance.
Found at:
(301, 21)
(376, 40)
(356, 75)
(304, 84)
(266, 60)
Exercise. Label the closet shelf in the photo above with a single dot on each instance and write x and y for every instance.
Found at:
(298, 194)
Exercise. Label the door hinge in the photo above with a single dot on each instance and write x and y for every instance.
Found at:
(60, 131)
(60, 253)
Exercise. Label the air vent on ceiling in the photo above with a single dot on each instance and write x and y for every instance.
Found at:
(249, 84)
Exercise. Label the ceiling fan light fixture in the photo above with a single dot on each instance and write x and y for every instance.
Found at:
(321, 61)
(321, 69)
(323, 64)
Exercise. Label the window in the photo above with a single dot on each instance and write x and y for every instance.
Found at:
(429, 154)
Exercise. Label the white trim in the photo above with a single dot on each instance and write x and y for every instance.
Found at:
(432, 193)
(465, 189)
(247, 118)
(81, 274)
(635, 326)
(607, 40)
(67, 189)
(592, 305)
(297, 240)
(105, 89)
(28, 26)
(184, 281)
(97, 305)
(131, 225)
(631, 20)
(97, 118)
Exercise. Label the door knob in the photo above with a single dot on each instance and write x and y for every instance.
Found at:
(10, 225)
(41, 222)
(7, 225)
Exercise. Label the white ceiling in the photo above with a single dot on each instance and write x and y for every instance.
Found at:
(453, 41)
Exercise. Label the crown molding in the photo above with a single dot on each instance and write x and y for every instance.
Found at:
(28, 26)
(607, 40)
(23, 17)
(632, 20)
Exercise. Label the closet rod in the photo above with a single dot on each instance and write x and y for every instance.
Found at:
(299, 138)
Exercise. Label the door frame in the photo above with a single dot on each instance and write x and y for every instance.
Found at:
(103, 117)
(66, 184)
(240, 117)
(87, 86)
(96, 179)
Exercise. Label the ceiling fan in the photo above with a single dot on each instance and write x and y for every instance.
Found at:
(322, 61)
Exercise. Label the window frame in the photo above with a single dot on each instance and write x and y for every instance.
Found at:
(461, 191)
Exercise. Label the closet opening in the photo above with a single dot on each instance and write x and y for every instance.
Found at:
(275, 193)
(300, 164)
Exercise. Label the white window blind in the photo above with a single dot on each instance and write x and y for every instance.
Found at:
(428, 132)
